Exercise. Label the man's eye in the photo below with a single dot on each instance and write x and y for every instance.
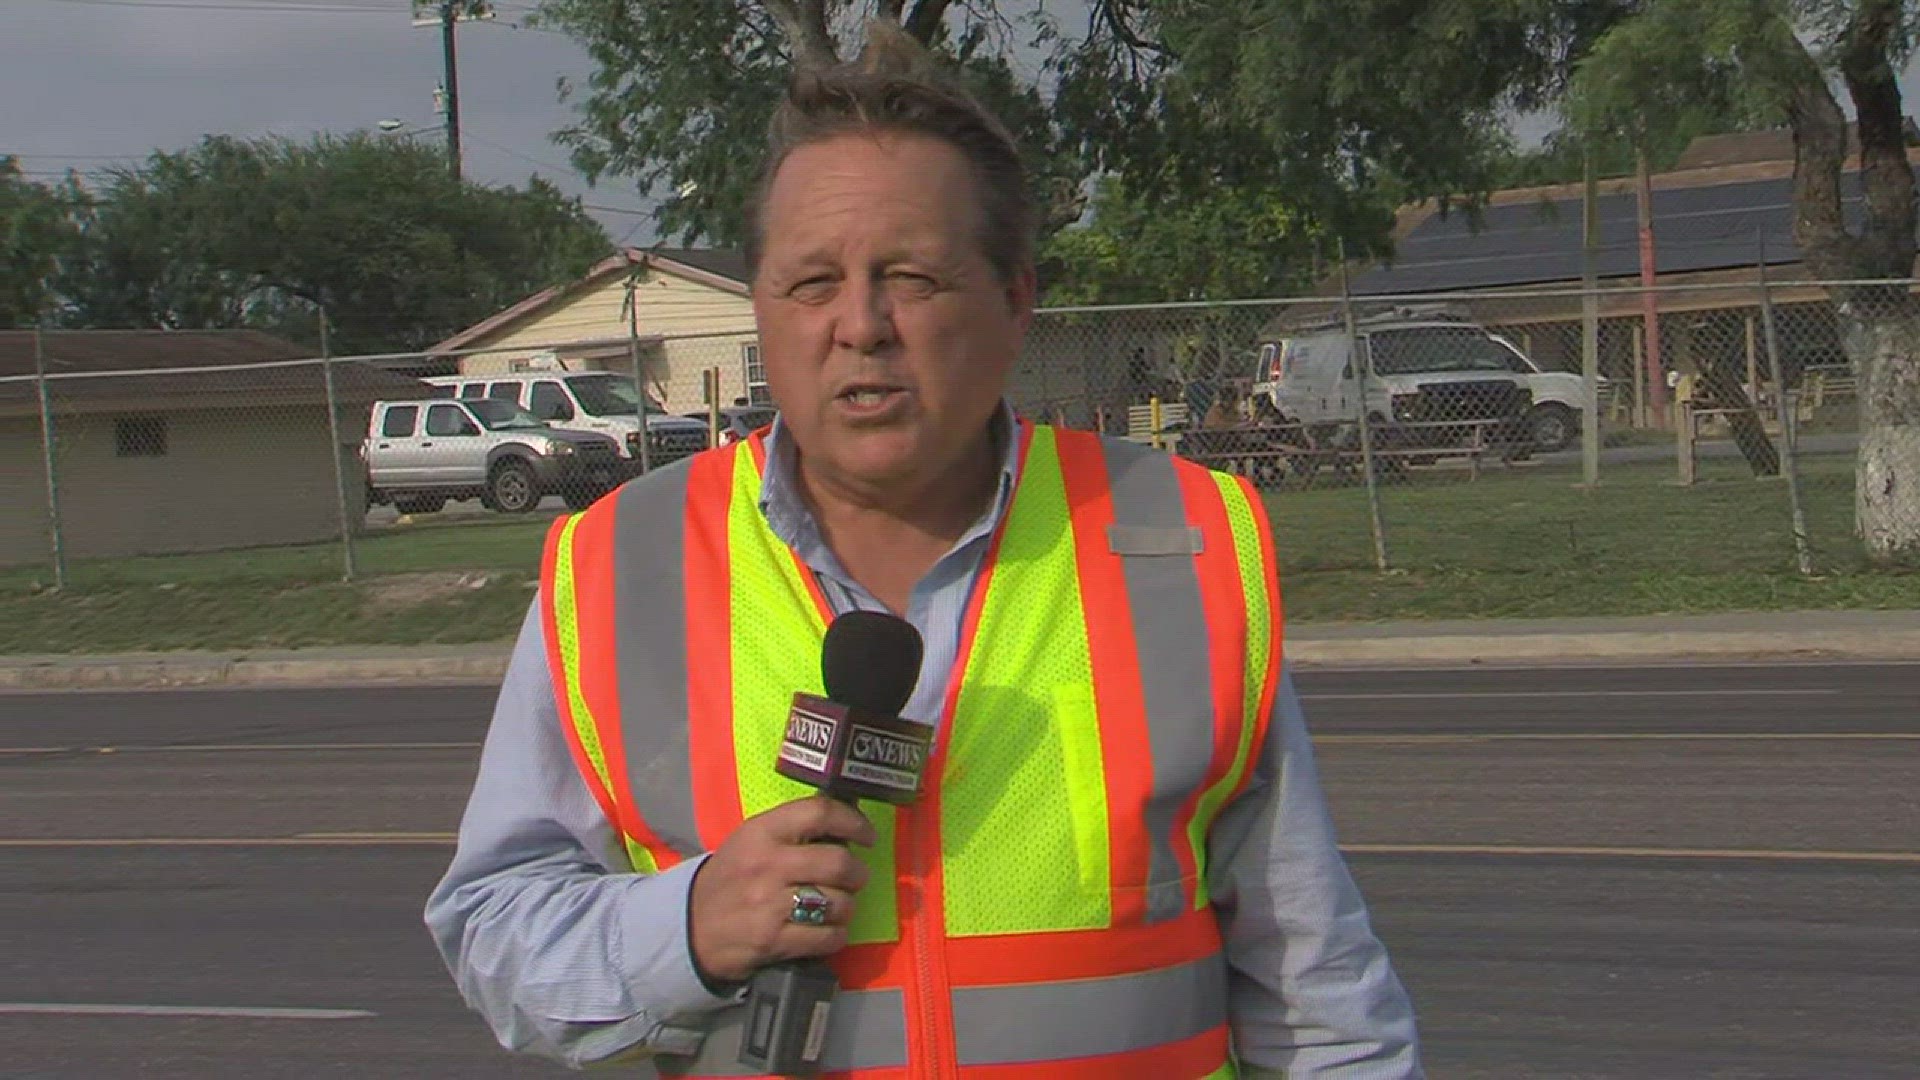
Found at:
(812, 287)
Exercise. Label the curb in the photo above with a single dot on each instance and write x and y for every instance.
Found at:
(1571, 649)
(1305, 649)
(181, 672)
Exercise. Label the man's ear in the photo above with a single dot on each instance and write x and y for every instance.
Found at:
(1023, 292)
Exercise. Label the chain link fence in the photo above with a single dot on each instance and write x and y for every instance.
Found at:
(1746, 426)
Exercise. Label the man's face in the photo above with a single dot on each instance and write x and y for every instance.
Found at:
(886, 333)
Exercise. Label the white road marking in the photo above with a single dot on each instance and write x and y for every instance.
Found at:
(1626, 736)
(241, 1012)
(1430, 695)
(214, 748)
(320, 840)
(1764, 855)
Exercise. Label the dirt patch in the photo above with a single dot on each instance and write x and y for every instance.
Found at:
(399, 592)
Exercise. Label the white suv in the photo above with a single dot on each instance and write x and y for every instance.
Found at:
(419, 454)
(595, 401)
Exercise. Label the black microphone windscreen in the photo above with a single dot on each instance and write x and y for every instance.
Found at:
(871, 661)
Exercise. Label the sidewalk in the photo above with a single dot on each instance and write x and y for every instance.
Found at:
(1779, 636)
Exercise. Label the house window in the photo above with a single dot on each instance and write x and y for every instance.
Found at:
(754, 374)
(140, 436)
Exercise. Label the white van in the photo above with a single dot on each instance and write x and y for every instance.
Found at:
(1434, 382)
(596, 401)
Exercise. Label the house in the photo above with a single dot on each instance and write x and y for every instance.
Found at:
(173, 441)
(1724, 209)
(678, 312)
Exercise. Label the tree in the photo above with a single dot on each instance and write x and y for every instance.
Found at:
(39, 234)
(1228, 243)
(681, 93)
(1781, 55)
(264, 232)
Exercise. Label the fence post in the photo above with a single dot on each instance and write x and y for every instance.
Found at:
(1590, 329)
(1683, 429)
(1363, 372)
(639, 381)
(711, 376)
(55, 532)
(333, 448)
(1789, 457)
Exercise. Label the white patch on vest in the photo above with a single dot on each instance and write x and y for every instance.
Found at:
(816, 1032)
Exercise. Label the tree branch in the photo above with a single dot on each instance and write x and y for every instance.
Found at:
(1114, 13)
(1887, 241)
(925, 20)
(804, 24)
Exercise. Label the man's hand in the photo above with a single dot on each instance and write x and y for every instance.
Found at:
(744, 892)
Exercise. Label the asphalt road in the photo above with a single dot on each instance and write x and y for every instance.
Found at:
(1590, 872)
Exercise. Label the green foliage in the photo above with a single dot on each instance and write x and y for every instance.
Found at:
(263, 232)
(1229, 243)
(39, 234)
(1359, 105)
(681, 93)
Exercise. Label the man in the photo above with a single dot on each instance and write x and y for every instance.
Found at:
(1121, 864)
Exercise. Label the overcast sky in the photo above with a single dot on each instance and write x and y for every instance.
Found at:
(89, 83)
(93, 82)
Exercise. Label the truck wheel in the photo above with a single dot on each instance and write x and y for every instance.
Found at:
(513, 488)
(1553, 427)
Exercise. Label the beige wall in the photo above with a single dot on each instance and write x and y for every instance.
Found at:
(23, 495)
(680, 376)
(668, 306)
(230, 478)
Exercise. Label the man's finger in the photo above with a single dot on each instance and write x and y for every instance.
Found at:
(839, 904)
(820, 818)
(823, 865)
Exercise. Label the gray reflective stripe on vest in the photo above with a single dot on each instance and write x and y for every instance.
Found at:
(650, 598)
(867, 1029)
(1170, 635)
(1000, 1025)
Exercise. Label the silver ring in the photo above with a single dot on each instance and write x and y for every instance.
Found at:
(809, 907)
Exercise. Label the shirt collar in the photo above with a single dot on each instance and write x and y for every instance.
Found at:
(791, 520)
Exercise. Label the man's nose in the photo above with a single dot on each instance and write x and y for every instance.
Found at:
(865, 318)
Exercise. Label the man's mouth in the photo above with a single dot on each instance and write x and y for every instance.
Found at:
(869, 395)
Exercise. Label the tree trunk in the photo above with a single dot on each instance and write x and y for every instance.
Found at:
(1878, 324)
(1882, 338)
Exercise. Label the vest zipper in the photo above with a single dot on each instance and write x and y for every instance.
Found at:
(928, 930)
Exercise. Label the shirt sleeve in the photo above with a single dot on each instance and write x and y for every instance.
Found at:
(548, 933)
(1311, 992)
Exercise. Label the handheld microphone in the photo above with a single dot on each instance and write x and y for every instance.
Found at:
(850, 745)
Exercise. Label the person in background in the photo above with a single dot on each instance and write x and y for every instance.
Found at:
(1121, 863)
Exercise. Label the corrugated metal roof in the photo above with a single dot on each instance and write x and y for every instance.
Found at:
(124, 350)
(1710, 227)
(162, 372)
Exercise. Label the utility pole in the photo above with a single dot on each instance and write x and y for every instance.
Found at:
(445, 14)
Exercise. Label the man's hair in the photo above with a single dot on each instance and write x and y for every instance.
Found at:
(897, 87)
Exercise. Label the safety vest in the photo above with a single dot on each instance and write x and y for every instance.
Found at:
(1042, 909)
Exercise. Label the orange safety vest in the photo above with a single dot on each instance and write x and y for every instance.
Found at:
(1042, 910)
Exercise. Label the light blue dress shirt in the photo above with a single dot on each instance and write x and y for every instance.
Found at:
(569, 956)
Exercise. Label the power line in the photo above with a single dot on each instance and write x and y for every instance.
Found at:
(511, 152)
(308, 7)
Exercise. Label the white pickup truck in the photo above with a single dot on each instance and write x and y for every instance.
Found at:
(420, 454)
